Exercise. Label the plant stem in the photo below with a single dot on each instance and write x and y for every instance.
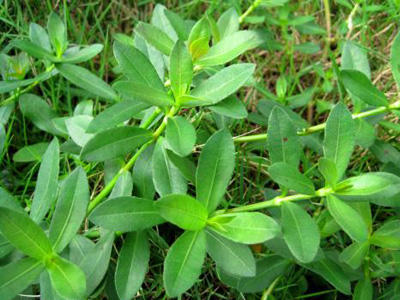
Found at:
(320, 127)
(251, 8)
(27, 89)
(108, 188)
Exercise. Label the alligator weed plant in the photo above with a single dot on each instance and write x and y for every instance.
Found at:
(150, 174)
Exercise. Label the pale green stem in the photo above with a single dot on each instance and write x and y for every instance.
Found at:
(320, 127)
(251, 8)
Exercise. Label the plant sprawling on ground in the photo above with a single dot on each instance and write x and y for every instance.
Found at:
(157, 182)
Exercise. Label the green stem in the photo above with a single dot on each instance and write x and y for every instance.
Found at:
(251, 8)
(320, 127)
(13, 97)
(108, 188)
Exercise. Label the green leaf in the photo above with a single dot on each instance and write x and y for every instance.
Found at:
(228, 23)
(214, 170)
(86, 80)
(79, 247)
(350, 221)
(246, 227)
(178, 24)
(267, 270)
(155, 37)
(234, 258)
(83, 55)
(354, 254)
(114, 142)
(289, 176)
(328, 169)
(199, 39)
(364, 290)
(183, 211)
(144, 93)
(31, 153)
(57, 33)
(283, 143)
(47, 182)
(39, 36)
(387, 236)
(395, 59)
(126, 214)
(115, 115)
(123, 186)
(76, 127)
(184, 165)
(331, 272)
(11, 85)
(167, 178)
(24, 234)
(34, 50)
(184, 261)
(95, 263)
(181, 69)
(142, 175)
(229, 48)
(38, 111)
(17, 276)
(132, 265)
(300, 232)
(67, 279)
(136, 66)
(180, 136)
(70, 210)
(231, 107)
(219, 86)
(361, 86)
(339, 138)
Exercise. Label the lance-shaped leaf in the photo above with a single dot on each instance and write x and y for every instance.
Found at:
(86, 80)
(136, 66)
(339, 137)
(183, 211)
(39, 36)
(57, 33)
(215, 168)
(231, 107)
(180, 26)
(144, 93)
(17, 276)
(10, 85)
(185, 166)
(246, 227)
(331, 272)
(387, 236)
(328, 169)
(180, 136)
(34, 50)
(31, 153)
(24, 234)
(283, 143)
(67, 279)
(347, 218)
(46, 185)
(132, 265)
(123, 186)
(289, 176)
(364, 290)
(219, 86)
(84, 54)
(361, 86)
(95, 263)
(229, 48)
(184, 261)
(354, 254)
(181, 69)
(142, 175)
(126, 214)
(155, 37)
(228, 23)
(300, 232)
(70, 210)
(167, 178)
(234, 258)
(267, 270)
(115, 115)
(79, 247)
(199, 38)
(76, 127)
(114, 142)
